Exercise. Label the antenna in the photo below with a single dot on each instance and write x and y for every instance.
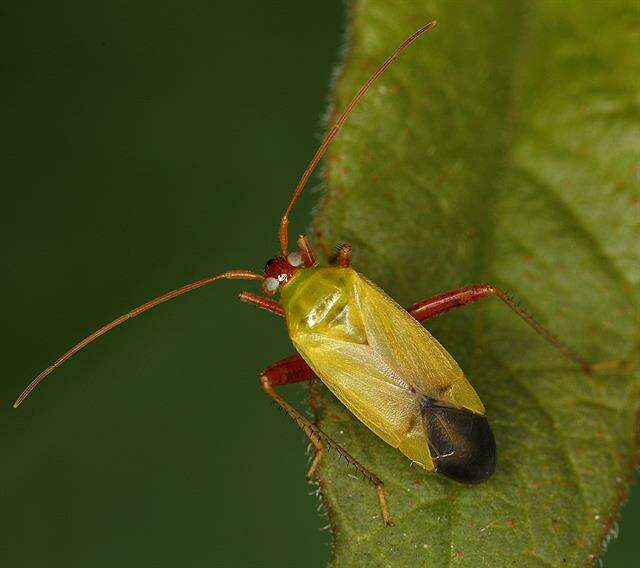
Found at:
(231, 275)
(283, 234)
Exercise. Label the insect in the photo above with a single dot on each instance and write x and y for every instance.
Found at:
(375, 356)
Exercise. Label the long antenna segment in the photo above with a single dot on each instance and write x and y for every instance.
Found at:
(235, 274)
(231, 274)
(283, 233)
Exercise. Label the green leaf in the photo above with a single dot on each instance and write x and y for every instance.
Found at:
(502, 147)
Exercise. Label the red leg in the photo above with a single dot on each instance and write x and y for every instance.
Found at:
(293, 370)
(264, 303)
(344, 256)
(446, 301)
(288, 371)
(436, 305)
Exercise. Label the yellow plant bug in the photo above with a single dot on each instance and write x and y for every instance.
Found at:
(375, 356)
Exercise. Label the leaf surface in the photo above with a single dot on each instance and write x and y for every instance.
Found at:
(502, 148)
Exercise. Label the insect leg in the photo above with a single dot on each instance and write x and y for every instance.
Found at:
(293, 370)
(344, 255)
(264, 303)
(441, 303)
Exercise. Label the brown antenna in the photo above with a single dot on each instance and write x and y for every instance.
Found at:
(231, 274)
(283, 235)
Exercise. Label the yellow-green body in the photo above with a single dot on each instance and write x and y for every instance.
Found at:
(377, 359)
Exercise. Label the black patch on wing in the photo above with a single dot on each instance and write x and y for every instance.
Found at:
(461, 442)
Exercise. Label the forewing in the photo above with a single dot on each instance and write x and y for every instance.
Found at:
(411, 351)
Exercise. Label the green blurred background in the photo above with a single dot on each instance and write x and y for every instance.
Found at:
(146, 145)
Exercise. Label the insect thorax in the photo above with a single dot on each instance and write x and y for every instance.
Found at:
(322, 301)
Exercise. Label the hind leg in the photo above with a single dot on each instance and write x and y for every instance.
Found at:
(293, 370)
(441, 303)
